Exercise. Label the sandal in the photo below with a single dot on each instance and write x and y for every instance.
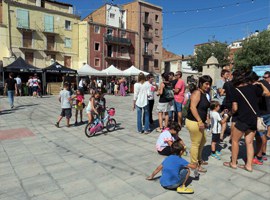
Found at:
(202, 162)
(159, 130)
(245, 168)
(201, 169)
(229, 164)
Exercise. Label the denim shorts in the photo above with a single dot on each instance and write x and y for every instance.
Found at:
(182, 174)
(178, 106)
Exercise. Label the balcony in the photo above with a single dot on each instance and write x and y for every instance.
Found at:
(147, 22)
(147, 52)
(147, 36)
(123, 58)
(117, 40)
(51, 31)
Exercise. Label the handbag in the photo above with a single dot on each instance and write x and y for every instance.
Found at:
(261, 127)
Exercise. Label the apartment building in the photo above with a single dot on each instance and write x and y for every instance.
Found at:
(109, 42)
(39, 31)
(146, 19)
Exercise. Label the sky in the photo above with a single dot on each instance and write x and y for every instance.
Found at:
(190, 22)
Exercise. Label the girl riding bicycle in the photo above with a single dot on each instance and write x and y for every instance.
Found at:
(92, 107)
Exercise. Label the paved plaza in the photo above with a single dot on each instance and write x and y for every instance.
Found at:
(39, 161)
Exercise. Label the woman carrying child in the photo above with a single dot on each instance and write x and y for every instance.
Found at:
(166, 138)
(92, 106)
(79, 105)
(175, 170)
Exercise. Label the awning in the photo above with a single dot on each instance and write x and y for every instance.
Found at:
(87, 70)
(20, 65)
(58, 68)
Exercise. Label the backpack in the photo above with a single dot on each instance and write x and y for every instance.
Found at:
(168, 93)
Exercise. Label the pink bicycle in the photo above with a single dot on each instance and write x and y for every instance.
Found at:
(98, 124)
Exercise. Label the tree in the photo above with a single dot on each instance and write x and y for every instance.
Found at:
(255, 51)
(205, 51)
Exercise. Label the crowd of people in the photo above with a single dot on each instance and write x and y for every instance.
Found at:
(242, 101)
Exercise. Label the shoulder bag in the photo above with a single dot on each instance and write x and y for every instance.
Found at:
(261, 127)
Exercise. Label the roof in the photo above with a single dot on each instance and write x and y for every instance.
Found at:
(144, 2)
(58, 68)
(20, 65)
(212, 60)
(60, 3)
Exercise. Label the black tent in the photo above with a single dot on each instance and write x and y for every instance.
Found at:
(20, 65)
(58, 68)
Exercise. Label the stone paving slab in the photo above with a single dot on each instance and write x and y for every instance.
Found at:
(62, 163)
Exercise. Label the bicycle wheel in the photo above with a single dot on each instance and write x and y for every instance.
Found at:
(89, 132)
(110, 125)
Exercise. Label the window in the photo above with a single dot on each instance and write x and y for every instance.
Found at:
(146, 47)
(96, 46)
(67, 61)
(156, 32)
(29, 57)
(97, 29)
(67, 25)
(156, 48)
(112, 15)
(22, 18)
(97, 62)
(109, 31)
(48, 23)
(50, 42)
(68, 42)
(27, 39)
(146, 16)
(156, 18)
(156, 63)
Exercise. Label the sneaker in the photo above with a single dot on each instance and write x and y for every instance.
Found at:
(159, 130)
(218, 153)
(76, 124)
(215, 156)
(184, 190)
(264, 158)
(57, 124)
(256, 161)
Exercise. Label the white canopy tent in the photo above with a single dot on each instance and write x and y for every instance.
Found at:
(113, 71)
(87, 70)
(133, 71)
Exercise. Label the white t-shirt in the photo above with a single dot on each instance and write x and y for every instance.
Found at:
(18, 80)
(215, 122)
(163, 140)
(151, 92)
(64, 96)
(141, 92)
(81, 83)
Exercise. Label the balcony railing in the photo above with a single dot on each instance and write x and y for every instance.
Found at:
(147, 52)
(117, 40)
(147, 22)
(147, 35)
(123, 58)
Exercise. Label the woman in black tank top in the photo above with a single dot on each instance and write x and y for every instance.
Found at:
(196, 118)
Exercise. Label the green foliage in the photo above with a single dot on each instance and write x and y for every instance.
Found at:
(205, 51)
(255, 51)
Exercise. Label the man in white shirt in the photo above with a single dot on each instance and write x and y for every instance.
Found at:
(19, 85)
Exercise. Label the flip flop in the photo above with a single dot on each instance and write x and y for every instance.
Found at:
(229, 164)
(245, 168)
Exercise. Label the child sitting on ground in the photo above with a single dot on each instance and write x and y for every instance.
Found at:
(175, 170)
(167, 137)
(216, 123)
(79, 106)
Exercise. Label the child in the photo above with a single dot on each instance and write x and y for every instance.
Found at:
(102, 106)
(116, 89)
(65, 98)
(79, 105)
(92, 106)
(216, 123)
(167, 137)
(175, 171)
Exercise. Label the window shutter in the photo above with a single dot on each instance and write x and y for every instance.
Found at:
(48, 23)
(22, 19)
(68, 42)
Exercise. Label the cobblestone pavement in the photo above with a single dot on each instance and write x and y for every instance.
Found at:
(39, 161)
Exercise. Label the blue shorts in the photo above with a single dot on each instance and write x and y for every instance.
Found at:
(182, 175)
(178, 106)
(266, 120)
